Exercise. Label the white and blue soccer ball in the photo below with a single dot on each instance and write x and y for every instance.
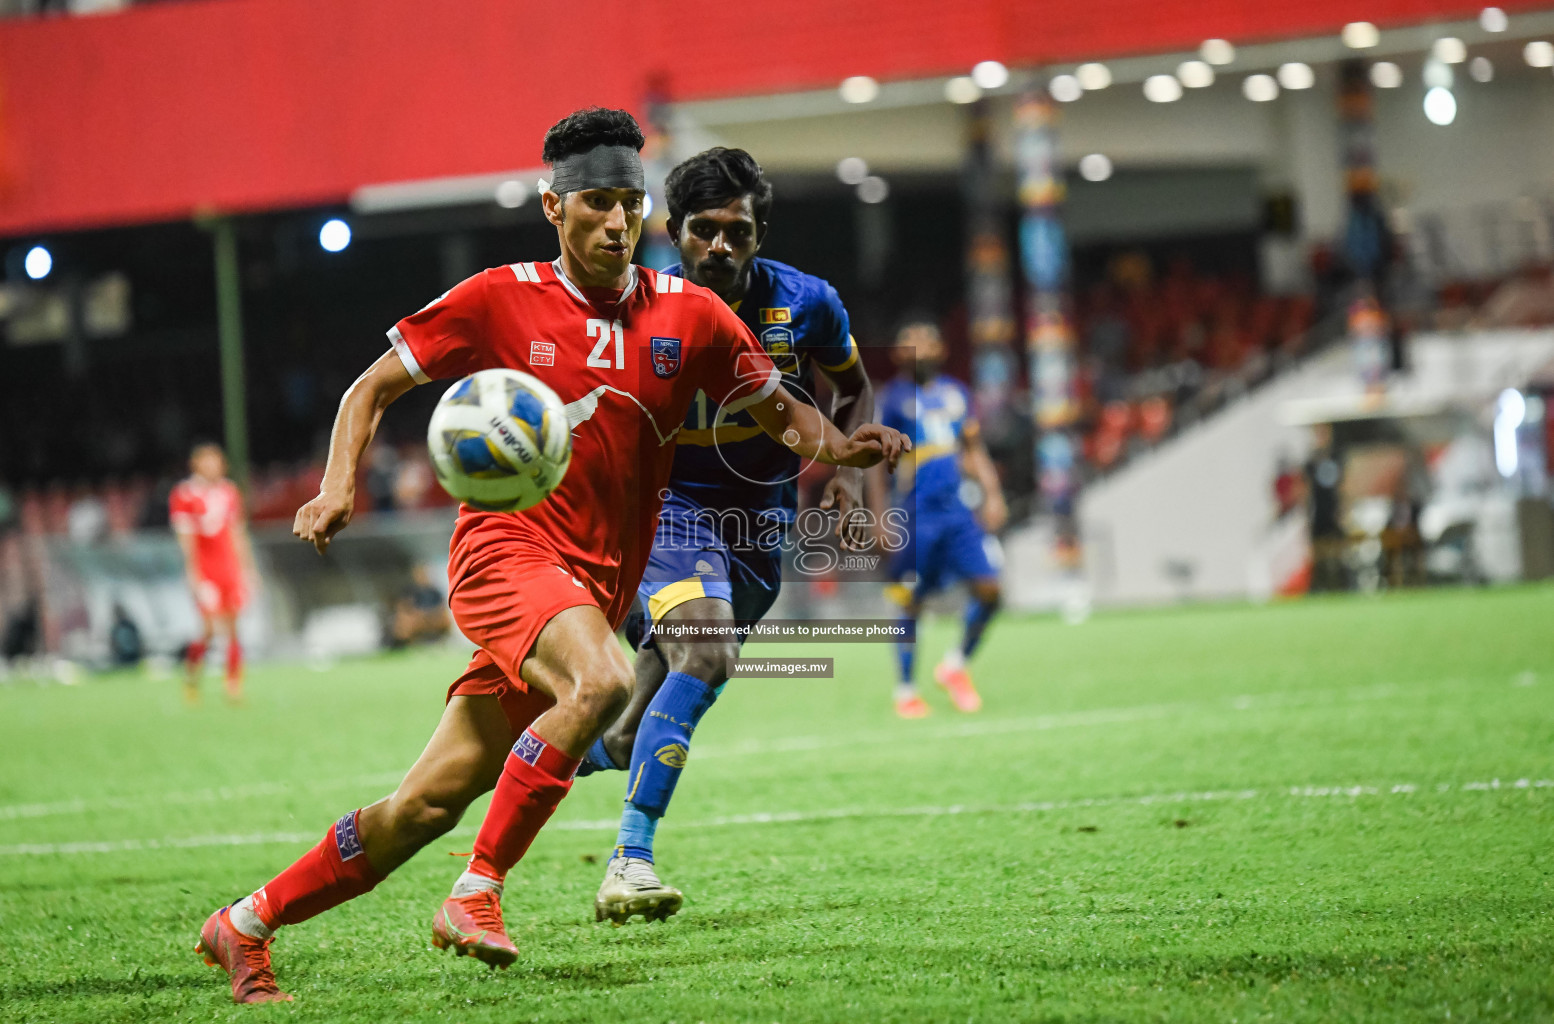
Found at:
(500, 440)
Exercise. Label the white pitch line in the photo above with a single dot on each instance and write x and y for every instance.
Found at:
(12, 812)
(785, 745)
(789, 744)
(1069, 719)
(805, 817)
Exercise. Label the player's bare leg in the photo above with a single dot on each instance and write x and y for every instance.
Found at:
(577, 661)
(952, 672)
(909, 703)
(686, 682)
(461, 762)
(226, 624)
(649, 671)
(194, 659)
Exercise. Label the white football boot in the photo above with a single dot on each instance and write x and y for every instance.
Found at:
(631, 887)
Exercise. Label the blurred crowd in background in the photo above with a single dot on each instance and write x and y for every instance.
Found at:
(1161, 344)
(1122, 248)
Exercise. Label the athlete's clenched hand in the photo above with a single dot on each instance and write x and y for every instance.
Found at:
(872, 444)
(319, 520)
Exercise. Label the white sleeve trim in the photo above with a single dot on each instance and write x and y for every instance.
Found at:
(773, 378)
(402, 349)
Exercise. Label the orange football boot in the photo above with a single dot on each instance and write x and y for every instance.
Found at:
(245, 958)
(472, 926)
(957, 683)
(912, 707)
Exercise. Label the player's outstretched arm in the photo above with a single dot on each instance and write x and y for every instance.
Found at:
(357, 420)
(801, 428)
(974, 456)
(852, 406)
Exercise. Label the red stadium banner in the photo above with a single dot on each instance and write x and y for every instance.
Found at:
(166, 110)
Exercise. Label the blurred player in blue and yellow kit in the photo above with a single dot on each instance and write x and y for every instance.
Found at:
(945, 541)
(732, 493)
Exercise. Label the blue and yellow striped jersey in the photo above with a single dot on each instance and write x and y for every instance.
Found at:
(725, 460)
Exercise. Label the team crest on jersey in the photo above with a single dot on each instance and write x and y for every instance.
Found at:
(666, 356)
(542, 353)
(778, 342)
(777, 315)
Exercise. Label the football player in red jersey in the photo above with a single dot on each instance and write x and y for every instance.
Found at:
(206, 513)
(540, 591)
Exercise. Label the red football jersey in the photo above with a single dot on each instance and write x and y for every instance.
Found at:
(207, 512)
(628, 368)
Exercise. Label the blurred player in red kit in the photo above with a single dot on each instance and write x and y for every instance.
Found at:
(206, 512)
(540, 591)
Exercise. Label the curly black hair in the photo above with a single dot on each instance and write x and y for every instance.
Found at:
(584, 129)
(717, 177)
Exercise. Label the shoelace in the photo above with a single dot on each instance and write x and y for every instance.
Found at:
(256, 955)
(485, 910)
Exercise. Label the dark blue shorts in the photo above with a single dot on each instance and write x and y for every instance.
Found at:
(944, 546)
(698, 554)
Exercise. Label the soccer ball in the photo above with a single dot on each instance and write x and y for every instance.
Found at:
(500, 440)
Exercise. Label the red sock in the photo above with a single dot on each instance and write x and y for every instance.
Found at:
(195, 654)
(535, 778)
(326, 876)
(234, 660)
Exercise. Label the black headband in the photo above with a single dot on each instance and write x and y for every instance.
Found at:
(600, 167)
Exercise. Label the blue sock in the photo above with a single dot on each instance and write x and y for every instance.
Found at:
(978, 615)
(658, 757)
(906, 651)
(597, 759)
(636, 835)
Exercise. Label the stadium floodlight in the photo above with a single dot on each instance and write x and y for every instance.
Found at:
(1539, 53)
(852, 170)
(1217, 51)
(1510, 411)
(1481, 70)
(859, 89)
(1449, 50)
(1065, 88)
(1440, 106)
(1093, 77)
(38, 262)
(1360, 35)
(990, 74)
(1162, 89)
(1296, 75)
(1386, 75)
(873, 189)
(335, 235)
(512, 194)
(1493, 19)
(1260, 88)
(1195, 74)
(647, 205)
(1437, 75)
(962, 89)
(1095, 167)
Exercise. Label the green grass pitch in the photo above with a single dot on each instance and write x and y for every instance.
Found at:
(1326, 811)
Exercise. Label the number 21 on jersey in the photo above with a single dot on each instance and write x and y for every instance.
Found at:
(604, 330)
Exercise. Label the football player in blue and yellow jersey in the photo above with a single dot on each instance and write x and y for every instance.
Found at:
(717, 555)
(945, 541)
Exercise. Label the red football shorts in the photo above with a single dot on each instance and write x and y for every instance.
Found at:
(502, 606)
(220, 594)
